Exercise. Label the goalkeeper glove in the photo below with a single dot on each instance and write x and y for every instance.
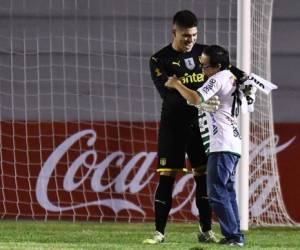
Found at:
(211, 105)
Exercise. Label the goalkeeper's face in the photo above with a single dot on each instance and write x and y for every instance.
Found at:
(184, 38)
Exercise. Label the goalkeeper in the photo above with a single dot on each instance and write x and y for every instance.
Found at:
(179, 132)
(224, 139)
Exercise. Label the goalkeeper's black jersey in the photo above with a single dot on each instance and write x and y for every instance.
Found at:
(186, 66)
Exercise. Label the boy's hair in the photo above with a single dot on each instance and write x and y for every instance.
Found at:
(185, 19)
(218, 56)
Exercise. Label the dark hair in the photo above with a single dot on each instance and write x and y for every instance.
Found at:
(218, 56)
(185, 19)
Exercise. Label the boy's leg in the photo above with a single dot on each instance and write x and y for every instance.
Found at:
(221, 166)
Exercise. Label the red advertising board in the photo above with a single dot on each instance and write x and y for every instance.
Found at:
(289, 167)
(105, 171)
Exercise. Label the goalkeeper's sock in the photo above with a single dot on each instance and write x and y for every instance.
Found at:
(202, 202)
(163, 202)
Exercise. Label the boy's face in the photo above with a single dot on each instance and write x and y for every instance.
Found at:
(207, 69)
(184, 38)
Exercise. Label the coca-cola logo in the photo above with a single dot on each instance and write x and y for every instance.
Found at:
(121, 184)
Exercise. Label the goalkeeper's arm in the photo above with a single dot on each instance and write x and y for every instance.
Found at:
(190, 95)
(193, 97)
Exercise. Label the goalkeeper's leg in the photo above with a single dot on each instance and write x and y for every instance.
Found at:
(163, 204)
(163, 201)
(171, 159)
(202, 203)
(205, 213)
(198, 160)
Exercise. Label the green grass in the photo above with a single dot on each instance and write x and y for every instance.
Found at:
(123, 236)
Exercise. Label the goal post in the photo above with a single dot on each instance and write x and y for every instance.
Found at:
(266, 206)
(243, 61)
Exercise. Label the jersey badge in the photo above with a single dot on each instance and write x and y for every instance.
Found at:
(163, 161)
(157, 72)
(189, 63)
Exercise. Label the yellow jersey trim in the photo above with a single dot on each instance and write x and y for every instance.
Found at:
(172, 169)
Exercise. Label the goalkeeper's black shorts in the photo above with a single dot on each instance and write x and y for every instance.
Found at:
(175, 140)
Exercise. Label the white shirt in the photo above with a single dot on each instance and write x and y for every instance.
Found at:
(222, 133)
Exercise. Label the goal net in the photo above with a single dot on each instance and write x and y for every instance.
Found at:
(266, 204)
(79, 114)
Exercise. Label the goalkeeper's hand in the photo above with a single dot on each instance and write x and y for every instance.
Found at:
(211, 105)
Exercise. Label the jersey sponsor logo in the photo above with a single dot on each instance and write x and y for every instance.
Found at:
(157, 72)
(189, 63)
(234, 127)
(209, 86)
(163, 161)
(176, 63)
(192, 78)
